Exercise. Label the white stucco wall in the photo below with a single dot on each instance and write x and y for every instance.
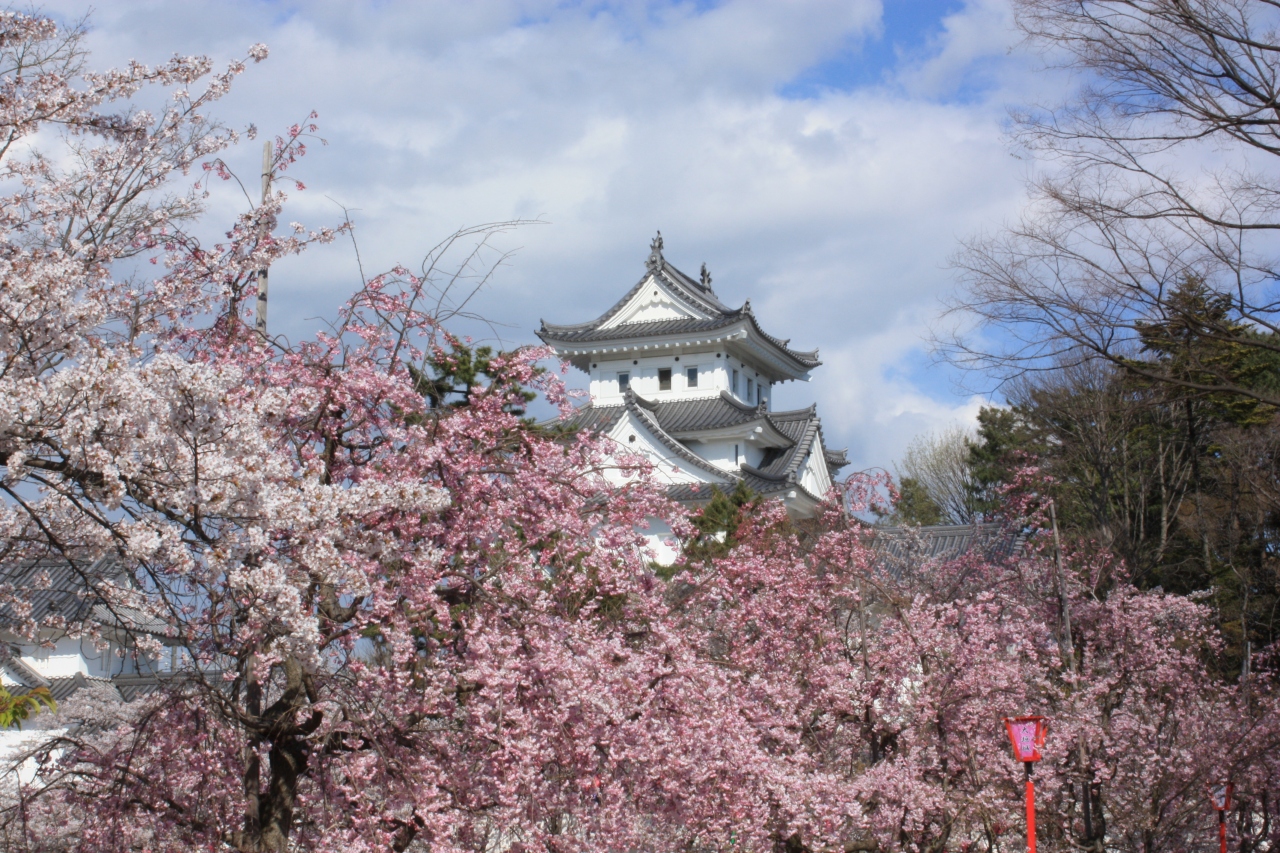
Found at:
(720, 453)
(630, 434)
(662, 542)
(70, 656)
(715, 372)
(815, 476)
(15, 744)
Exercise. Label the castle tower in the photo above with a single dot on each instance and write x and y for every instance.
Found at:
(688, 381)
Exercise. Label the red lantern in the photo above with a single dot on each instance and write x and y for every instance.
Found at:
(1220, 795)
(1220, 799)
(1027, 735)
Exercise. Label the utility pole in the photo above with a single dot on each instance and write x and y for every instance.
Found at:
(262, 273)
(1066, 643)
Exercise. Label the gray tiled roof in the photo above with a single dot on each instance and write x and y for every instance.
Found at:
(947, 541)
(128, 687)
(694, 492)
(693, 293)
(594, 418)
(646, 412)
(778, 470)
(706, 413)
(61, 688)
(796, 424)
(64, 593)
(74, 592)
(23, 673)
(654, 328)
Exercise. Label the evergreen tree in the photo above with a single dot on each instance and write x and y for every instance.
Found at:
(717, 525)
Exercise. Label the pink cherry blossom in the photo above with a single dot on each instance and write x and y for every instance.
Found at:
(401, 628)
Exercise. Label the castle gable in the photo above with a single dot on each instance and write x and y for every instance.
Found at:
(653, 302)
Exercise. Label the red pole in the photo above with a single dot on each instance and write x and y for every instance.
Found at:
(1222, 830)
(1031, 813)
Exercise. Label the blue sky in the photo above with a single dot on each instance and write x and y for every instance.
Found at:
(823, 157)
(907, 30)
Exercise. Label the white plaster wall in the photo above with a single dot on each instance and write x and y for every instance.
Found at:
(14, 745)
(662, 542)
(653, 301)
(712, 377)
(815, 477)
(720, 453)
(745, 372)
(668, 468)
(70, 656)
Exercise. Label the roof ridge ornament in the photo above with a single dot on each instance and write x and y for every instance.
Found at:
(654, 263)
(706, 277)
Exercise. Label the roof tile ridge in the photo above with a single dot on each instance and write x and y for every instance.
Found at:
(647, 417)
(784, 345)
(617, 306)
(690, 294)
(668, 267)
(768, 416)
(745, 408)
(829, 455)
(793, 414)
(631, 397)
(706, 396)
(567, 327)
(707, 292)
(756, 472)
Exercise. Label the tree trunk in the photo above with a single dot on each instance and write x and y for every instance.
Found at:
(261, 324)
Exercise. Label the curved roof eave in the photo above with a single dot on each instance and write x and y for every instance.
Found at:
(771, 486)
(666, 332)
(697, 295)
(644, 411)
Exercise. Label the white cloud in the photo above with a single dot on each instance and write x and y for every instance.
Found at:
(834, 213)
(887, 408)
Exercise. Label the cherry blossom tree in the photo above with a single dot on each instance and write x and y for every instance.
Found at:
(881, 673)
(403, 626)
(394, 625)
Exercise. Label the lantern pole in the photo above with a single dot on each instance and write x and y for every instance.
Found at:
(1027, 736)
(1031, 811)
(1220, 799)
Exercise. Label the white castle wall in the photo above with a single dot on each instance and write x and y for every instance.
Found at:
(715, 371)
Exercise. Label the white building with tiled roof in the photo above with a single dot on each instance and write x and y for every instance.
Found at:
(688, 381)
(81, 640)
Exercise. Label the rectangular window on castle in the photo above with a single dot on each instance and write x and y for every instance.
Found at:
(624, 381)
(691, 377)
(751, 389)
(733, 385)
(664, 378)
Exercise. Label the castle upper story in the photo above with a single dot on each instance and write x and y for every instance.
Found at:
(679, 376)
